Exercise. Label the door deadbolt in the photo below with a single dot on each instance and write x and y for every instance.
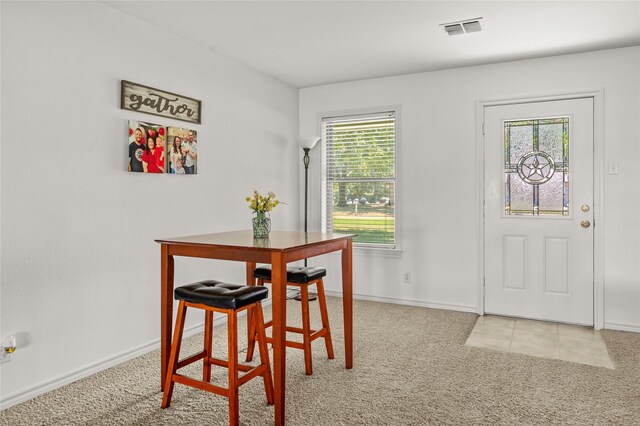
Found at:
(584, 208)
(585, 224)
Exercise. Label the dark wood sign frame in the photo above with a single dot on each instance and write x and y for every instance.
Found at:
(160, 102)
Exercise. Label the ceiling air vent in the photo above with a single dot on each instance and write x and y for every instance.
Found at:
(472, 26)
(454, 29)
(463, 27)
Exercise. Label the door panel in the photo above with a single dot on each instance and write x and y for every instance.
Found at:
(515, 262)
(538, 172)
(557, 258)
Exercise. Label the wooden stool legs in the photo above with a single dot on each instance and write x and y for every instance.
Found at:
(231, 392)
(251, 337)
(264, 352)
(175, 351)
(208, 345)
(306, 329)
(322, 301)
(234, 408)
(308, 335)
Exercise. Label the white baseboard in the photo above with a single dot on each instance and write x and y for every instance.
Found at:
(81, 373)
(622, 327)
(409, 302)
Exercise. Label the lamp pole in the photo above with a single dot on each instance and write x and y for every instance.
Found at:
(305, 161)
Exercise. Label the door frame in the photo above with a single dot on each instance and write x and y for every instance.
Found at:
(598, 186)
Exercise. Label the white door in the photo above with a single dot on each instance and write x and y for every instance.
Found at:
(538, 160)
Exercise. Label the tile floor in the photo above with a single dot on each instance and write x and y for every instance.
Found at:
(566, 342)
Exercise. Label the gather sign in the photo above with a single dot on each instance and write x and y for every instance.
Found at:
(136, 97)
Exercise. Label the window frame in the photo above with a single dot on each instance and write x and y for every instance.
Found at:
(366, 248)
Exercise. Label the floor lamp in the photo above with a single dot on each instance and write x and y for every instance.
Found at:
(307, 144)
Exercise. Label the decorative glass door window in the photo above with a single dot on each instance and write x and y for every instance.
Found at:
(536, 167)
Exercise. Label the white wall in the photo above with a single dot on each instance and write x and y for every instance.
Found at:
(437, 155)
(80, 269)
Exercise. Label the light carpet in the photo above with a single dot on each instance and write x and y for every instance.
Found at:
(410, 367)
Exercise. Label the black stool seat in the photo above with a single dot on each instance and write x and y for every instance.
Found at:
(221, 295)
(295, 274)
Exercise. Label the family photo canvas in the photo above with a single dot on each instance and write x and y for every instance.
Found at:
(182, 150)
(146, 147)
(154, 148)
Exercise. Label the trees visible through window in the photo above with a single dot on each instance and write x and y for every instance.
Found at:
(360, 177)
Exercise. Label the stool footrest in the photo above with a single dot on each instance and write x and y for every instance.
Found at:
(300, 345)
(289, 328)
(253, 372)
(317, 334)
(224, 363)
(314, 333)
(289, 343)
(250, 370)
(190, 360)
(199, 384)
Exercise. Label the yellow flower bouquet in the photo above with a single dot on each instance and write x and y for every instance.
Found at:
(262, 204)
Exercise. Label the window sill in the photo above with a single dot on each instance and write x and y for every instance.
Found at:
(377, 251)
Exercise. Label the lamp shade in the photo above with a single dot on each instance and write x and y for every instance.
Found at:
(308, 141)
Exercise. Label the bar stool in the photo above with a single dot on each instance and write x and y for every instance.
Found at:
(215, 296)
(301, 277)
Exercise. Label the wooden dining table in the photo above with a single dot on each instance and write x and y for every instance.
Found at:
(281, 248)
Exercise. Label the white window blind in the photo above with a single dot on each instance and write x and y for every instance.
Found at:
(360, 177)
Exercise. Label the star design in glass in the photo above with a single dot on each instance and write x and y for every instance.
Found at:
(536, 167)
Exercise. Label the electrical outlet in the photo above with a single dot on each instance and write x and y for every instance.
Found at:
(406, 277)
(8, 347)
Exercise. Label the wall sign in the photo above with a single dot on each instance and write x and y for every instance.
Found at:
(136, 97)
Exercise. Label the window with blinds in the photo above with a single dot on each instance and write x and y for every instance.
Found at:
(360, 177)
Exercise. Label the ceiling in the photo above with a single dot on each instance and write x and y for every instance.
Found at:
(309, 43)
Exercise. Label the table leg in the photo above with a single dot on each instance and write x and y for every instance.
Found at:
(347, 303)
(166, 309)
(250, 267)
(279, 313)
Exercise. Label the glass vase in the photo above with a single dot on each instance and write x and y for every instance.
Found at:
(261, 226)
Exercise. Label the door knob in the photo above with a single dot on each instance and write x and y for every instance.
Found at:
(584, 208)
(585, 224)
